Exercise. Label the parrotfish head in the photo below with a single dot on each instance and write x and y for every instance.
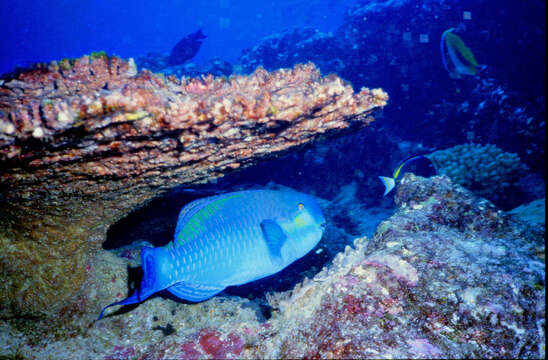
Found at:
(304, 224)
(198, 35)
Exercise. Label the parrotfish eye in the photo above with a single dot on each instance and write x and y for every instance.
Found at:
(301, 217)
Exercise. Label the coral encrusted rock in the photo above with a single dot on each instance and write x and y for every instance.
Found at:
(447, 276)
(83, 142)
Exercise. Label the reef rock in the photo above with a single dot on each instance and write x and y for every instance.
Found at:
(83, 142)
(289, 47)
(448, 276)
(375, 40)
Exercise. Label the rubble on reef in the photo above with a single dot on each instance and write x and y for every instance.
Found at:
(85, 141)
(447, 276)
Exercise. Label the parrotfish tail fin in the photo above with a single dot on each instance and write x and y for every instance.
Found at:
(389, 184)
(133, 299)
(150, 283)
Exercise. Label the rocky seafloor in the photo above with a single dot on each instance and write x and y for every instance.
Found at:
(447, 276)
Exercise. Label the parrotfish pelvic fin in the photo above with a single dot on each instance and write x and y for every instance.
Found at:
(388, 182)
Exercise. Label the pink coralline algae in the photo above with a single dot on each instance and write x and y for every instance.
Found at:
(188, 351)
(212, 344)
(122, 352)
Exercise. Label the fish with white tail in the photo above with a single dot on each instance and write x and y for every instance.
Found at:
(390, 182)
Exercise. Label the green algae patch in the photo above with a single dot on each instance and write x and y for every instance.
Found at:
(66, 64)
(98, 55)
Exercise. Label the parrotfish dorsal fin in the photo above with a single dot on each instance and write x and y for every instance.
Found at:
(275, 238)
(188, 211)
(186, 215)
(193, 215)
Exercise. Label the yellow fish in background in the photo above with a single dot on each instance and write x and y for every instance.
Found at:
(461, 57)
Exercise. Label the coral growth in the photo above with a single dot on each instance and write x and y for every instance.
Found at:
(533, 212)
(294, 46)
(484, 169)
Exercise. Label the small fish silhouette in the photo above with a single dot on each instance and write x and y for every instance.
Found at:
(187, 48)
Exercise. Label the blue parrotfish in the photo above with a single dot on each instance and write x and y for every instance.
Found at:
(230, 239)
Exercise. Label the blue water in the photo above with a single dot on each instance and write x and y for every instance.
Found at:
(50, 30)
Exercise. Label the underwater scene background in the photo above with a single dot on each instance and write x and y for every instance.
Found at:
(115, 116)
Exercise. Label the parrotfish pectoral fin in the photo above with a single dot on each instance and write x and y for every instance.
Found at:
(275, 238)
(389, 184)
(133, 299)
(194, 292)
